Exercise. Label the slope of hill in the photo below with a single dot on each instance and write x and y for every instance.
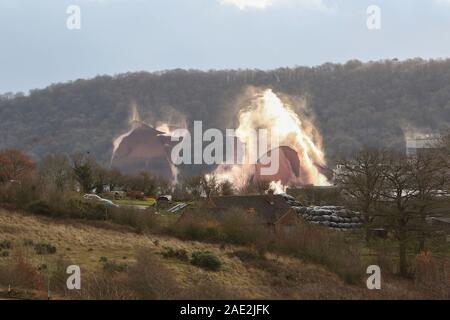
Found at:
(354, 104)
(90, 246)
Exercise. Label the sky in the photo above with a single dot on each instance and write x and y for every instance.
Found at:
(37, 48)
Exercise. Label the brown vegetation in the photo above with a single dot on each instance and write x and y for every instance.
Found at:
(149, 275)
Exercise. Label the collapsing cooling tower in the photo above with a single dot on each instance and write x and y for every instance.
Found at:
(144, 149)
(290, 170)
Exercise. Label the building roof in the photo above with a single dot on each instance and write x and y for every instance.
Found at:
(269, 208)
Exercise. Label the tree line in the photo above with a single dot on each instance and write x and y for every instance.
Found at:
(399, 193)
(81, 173)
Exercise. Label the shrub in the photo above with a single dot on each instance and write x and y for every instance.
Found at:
(43, 267)
(40, 207)
(432, 275)
(4, 254)
(206, 260)
(241, 229)
(137, 195)
(198, 227)
(67, 206)
(152, 280)
(57, 277)
(246, 255)
(5, 244)
(79, 209)
(115, 267)
(320, 245)
(205, 288)
(19, 195)
(197, 230)
(28, 243)
(179, 254)
(104, 285)
(21, 274)
(252, 258)
(193, 231)
(44, 248)
(70, 205)
(140, 220)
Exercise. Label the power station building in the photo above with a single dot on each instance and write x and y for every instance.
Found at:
(421, 145)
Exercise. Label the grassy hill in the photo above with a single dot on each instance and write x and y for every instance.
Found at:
(116, 263)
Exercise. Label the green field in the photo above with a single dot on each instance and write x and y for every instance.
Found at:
(135, 202)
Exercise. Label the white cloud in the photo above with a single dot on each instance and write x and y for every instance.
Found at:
(316, 5)
(244, 4)
(442, 2)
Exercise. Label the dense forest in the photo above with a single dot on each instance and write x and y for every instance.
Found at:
(354, 104)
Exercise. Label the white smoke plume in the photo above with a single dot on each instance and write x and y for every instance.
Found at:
(293, 130)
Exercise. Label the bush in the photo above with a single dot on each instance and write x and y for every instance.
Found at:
(323, 246)
(197, 230)
(112, 266)
(104, 285)
(68, 206)
(246, 255)
(79, 209)
(115, 267)
(205, 288)
(432, 275)
(206, 260)
(140, 220)
(179, 254)
(22, 274)
(150, 279)
(5, 244)
(44, 248)
(20, 195)
(40, 207)
(56, 277)
(137, 195)
(200, 226)
(241, 229)
(28, 243)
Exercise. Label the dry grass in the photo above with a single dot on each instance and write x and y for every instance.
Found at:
(272, 277)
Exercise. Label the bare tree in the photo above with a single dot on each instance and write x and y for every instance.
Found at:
(115, 179)
(412, 186)
(209, 185)
(429, 178)
(192, 185)
(226, 188)
(56, 170)
(83, 169)
(396, 191)
(362, 179)
(397, 199)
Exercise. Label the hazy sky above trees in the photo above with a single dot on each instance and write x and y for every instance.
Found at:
(131, 35)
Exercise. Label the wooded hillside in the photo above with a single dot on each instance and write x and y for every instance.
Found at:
(354, 104)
